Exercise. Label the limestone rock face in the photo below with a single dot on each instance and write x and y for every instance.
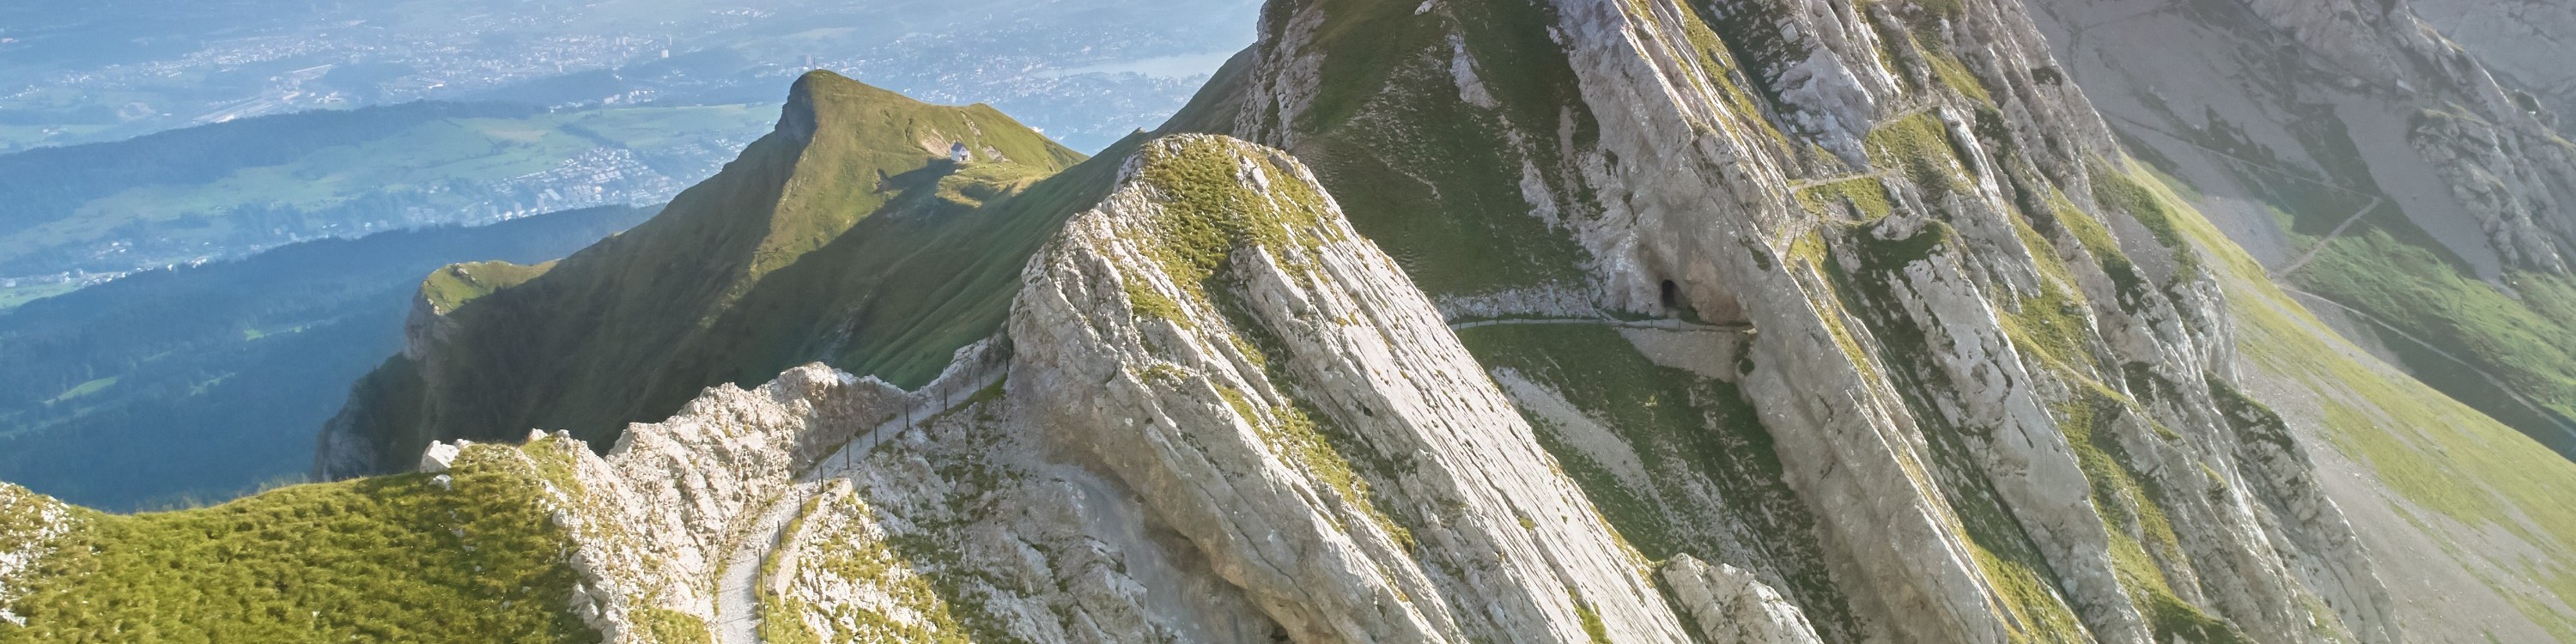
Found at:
(1267, 434)
(1296, 409)
(654, 517)
(2523, 41)
(1733, 607)
(1978, 347)
(1491, 321)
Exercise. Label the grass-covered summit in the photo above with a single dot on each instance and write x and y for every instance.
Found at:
(469, 556)
(848, 235)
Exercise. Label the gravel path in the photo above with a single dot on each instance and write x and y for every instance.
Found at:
(738, 586)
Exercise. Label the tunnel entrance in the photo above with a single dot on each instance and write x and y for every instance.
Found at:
(1671, 297)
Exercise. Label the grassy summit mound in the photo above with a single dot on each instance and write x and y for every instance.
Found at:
(849, 235)
(395, 559)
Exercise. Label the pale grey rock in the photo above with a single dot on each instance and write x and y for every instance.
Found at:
(2525, 41)
(1895, 442)
(1731, 606)
(1137, 479)
(1474, 536)
(439, 457)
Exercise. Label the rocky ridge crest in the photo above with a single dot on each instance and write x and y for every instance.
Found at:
(1272, 434)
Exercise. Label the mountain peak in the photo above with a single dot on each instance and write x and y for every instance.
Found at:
(824, 91)
(809, 228)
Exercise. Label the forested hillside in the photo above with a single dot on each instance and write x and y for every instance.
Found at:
(205, 381)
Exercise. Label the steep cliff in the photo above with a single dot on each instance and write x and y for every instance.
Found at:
(1217, 414)
(2523, 41)
(1569, 321)
(1984, 360)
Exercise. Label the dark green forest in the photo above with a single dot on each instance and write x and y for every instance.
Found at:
(173, 386)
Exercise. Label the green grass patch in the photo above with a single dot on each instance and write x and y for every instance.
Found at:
(1863, 195)
(1955, 75)
(453, 286)
(937, 613)
(1423, 173)
(1210, 210)
(782, 621)
(2438, 455)
(395, 559)
(665, 626)
(1919, 148)
(14, 296)
(2119, 189)
(1591, 619)
(2529, 342)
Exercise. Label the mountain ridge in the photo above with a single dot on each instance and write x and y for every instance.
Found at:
(581, 323)
(1572, 321)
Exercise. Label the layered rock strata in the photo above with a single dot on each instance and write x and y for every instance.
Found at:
(1267, 434)
(1982, 349)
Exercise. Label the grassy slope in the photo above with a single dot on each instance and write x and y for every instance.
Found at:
(453, 286)
(396, 559)
(2529, 341)
(1423, 173)
(863, 247)
(2467, 481)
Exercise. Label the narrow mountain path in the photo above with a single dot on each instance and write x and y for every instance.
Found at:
(1664, 324)
(738, 586)
(926, 407)
(1804, 185)
(2492, 379)
(2338, 231)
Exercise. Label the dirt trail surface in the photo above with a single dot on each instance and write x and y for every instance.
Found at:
(738, 587)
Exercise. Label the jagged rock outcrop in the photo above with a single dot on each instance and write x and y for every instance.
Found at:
(1471, 321)
(1937, 321)
(1733, 607)
(1227, 418)
(2357, 151)
(1525, 299)
(2525, 41)
(1280, 394)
